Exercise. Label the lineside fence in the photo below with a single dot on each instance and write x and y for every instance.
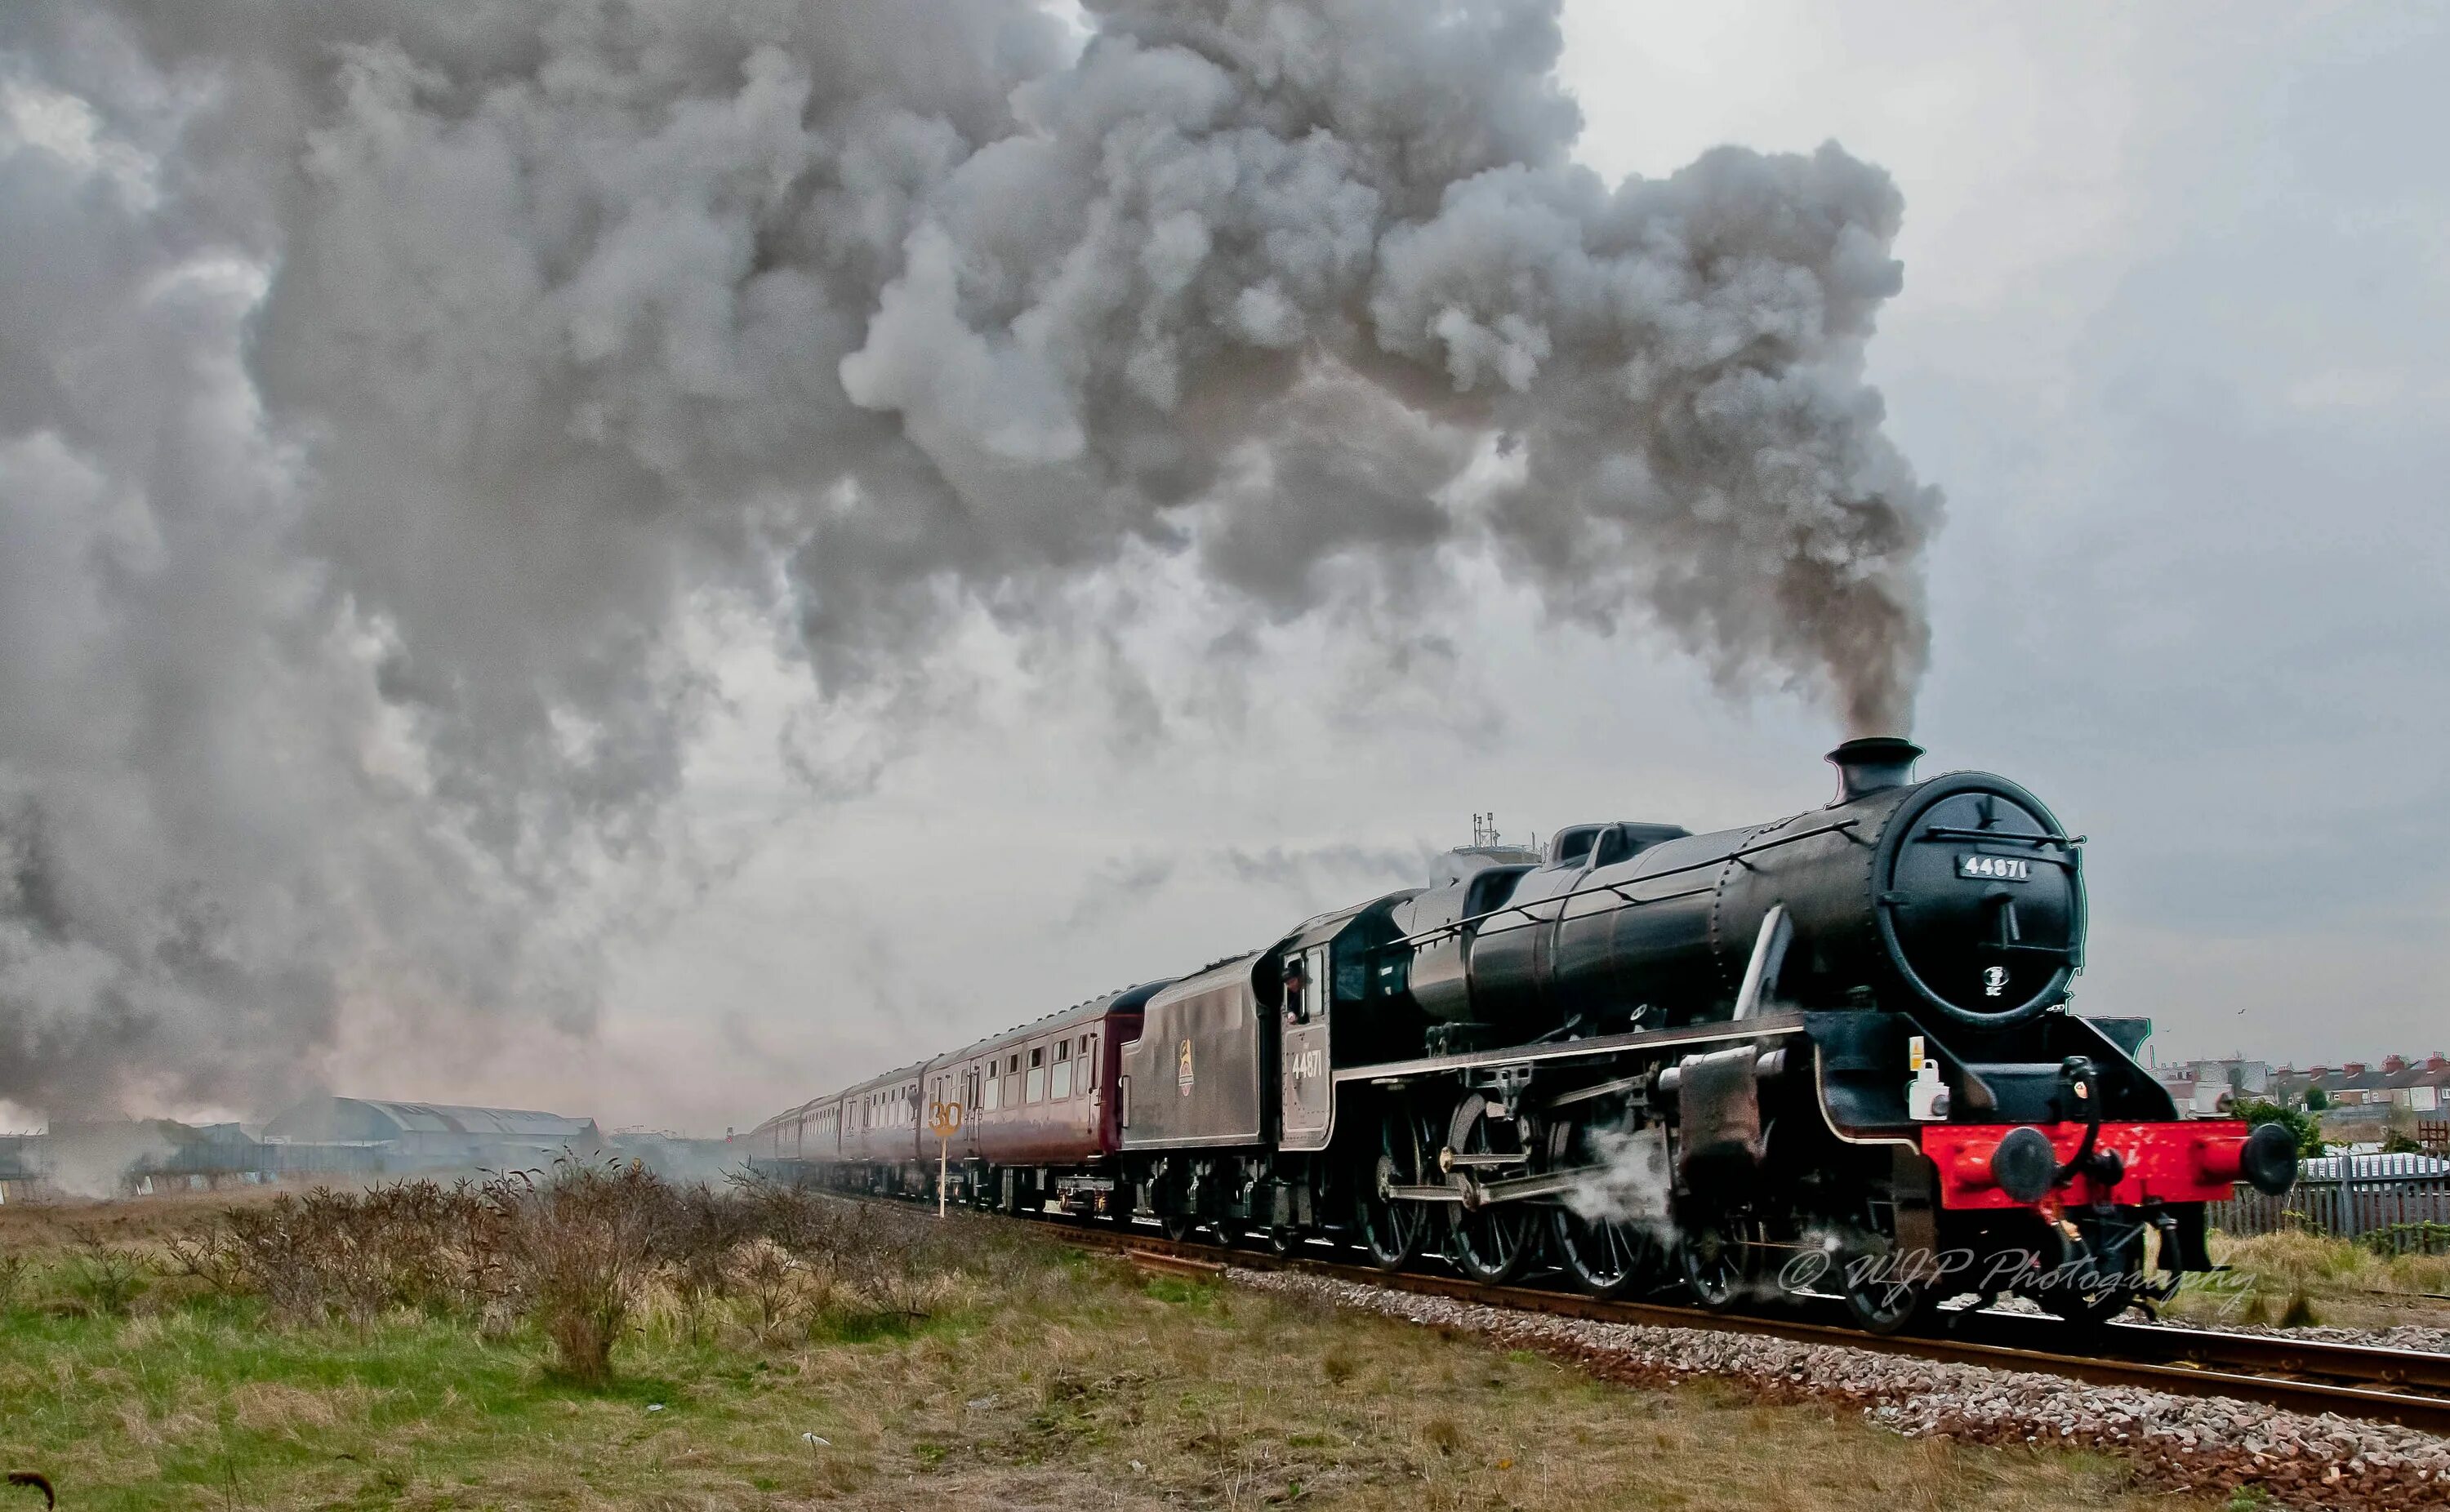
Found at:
(2397, 1204)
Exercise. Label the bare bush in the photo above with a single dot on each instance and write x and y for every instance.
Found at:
(581, 1250)
(107, 1278)
(776, 1286)
(356, 1254)
(578, 1243)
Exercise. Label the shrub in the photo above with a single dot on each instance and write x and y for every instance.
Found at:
(2306, 1128)
(582, 1251)
(578, 1244)
(107, 1278)
(13, 1271)
(355, 1255)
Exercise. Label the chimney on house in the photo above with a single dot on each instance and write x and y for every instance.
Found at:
(2393, 1065)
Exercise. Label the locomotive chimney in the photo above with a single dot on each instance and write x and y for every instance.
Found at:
(1873, 763)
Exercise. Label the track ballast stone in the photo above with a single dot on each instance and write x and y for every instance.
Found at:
(2415, 1336)
(2199, 1443)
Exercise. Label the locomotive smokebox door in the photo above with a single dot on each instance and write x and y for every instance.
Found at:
(1717, 1108)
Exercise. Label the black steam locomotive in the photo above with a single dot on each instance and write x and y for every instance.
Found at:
(1643, 1055)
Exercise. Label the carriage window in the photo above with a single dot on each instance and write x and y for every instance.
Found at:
(1035, 1089)
(988, 1092)
(1060, 1085)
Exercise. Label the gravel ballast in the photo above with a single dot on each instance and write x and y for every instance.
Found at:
(2201, 1443)
(2398, 1336)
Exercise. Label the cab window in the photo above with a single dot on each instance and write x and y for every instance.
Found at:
(1572, 846)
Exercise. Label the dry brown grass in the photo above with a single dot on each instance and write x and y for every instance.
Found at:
(35, 1225)
(975, 1363)
(2293, 1279)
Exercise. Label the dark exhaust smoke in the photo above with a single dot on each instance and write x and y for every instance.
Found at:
(388, 385)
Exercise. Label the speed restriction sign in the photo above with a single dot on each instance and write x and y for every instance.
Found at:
(943, 1119)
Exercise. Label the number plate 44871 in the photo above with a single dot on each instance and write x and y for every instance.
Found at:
(1994, 868)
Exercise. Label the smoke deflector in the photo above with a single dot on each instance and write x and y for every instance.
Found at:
(1871, 765)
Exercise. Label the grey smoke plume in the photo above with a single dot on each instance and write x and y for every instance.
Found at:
(382, 387)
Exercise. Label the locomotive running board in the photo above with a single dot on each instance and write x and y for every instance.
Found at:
(1763, 1026)
(1513, 1188)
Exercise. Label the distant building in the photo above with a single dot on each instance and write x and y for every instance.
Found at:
(2422, 1087)
(2370, 1090)
(2206, 1088)
(428, 1136)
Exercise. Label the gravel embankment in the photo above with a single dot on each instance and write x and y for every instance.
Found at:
(2398, 1336)
(2203, 1443)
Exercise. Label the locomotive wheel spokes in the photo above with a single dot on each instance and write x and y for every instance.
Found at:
(1393, 1230)
(1600, 1255)
(2093, 1282)
(1882, 1295)
(1491, 1244)
(1717, 1263)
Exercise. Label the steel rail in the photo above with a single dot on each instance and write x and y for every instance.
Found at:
(2353, 1381)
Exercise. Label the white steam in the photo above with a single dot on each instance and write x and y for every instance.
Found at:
(385, 383)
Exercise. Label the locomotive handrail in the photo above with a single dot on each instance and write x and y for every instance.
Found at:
(1459, 925)
(1948, 832)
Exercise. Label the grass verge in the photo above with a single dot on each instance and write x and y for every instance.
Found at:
(903, 1360)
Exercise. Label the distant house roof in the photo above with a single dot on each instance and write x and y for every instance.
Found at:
(369, 1118)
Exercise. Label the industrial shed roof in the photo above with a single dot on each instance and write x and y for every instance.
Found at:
(377, 1118)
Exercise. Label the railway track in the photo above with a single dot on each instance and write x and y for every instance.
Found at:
(2406, 1386)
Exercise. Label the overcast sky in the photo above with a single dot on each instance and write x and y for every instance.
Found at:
(2171, 341)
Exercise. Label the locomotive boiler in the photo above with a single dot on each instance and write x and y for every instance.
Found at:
(1836, 1046)
(1959, 898)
